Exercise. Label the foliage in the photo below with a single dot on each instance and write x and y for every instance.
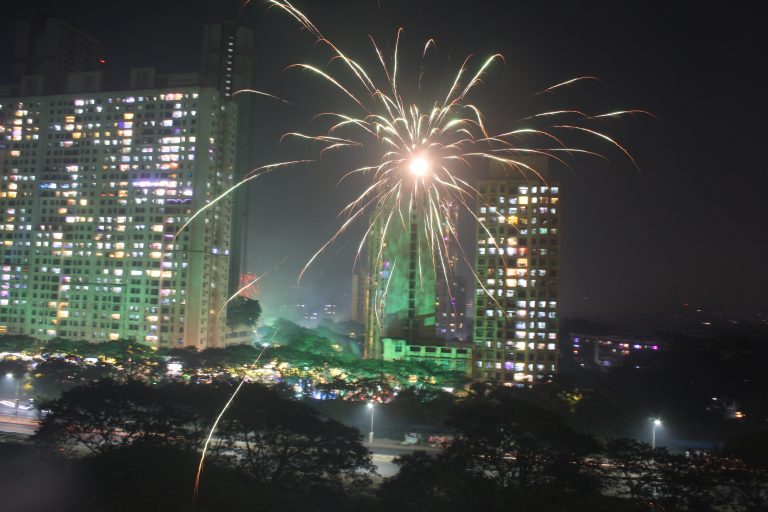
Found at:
(117, 480)
(285, 445)
(106, 414)
(15, 367)
(281, 451)
(243, 311)
(17, 343)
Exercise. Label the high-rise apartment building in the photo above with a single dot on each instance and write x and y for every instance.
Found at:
(516, 308)
(451, 292)
(229, 64)
(450, 314)
(359, 300)
(93, 188)
(402, 293)
(52, 56)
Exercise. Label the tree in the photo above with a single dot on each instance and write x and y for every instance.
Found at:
(285, 446)
(744, 471)
(105, 414)
(519, 444)
(18, 343)
(634, 470)
(117, 480)
(282, 450)
(15, 367)
(243, 311)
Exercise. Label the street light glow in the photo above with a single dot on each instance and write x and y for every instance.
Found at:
(369, 405)
(656, 424)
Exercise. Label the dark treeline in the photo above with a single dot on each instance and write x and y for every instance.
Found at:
(131, 446)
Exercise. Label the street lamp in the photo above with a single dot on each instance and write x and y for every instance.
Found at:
(12, 377)
(656, 424)
(370, 432)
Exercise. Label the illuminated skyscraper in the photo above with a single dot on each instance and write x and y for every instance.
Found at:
(516, 313)
(402, 294)
(451, 293)
(359, 297)
(229, 64)
(92, 189)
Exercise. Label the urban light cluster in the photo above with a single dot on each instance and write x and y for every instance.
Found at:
(92, 190)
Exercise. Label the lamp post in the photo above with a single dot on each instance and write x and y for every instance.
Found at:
(11, 376)
(370, 432)
(656, 424)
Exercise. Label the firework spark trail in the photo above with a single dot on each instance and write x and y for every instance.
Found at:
(221, 415)
(444, 134)
(419, 149)
(427, 144)
(249, 284)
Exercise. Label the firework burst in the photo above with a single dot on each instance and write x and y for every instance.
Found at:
(421, 154)
(423, 151)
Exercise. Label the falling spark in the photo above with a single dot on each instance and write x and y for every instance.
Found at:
(221, 415)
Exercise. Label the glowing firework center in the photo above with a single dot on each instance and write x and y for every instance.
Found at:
(419, 166)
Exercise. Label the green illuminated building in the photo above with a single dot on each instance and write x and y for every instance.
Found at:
(402, 288)
(447, 357)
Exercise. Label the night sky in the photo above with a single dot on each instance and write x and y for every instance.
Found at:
(689, 227)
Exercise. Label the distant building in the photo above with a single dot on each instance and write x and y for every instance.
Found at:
(609, 350)
(450, 314)
(93, 188)
(451, 291)
(359, 296)
(329, 311)
(240, 335)
(456, 358)
(516, 308)
(149, 78)
(45, 54)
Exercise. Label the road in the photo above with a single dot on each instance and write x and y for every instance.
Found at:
(23, 423)
(384, 450)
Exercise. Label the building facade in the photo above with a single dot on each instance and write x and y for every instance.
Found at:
(516, 301)
(450, 307)
(604, 351)
(93, 189)
(359, 296)
(402, 287)
(229, 65)
(452, 358)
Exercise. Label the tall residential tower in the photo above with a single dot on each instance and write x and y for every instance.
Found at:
(402, 286)
(516, 309)
(93, 188)
(229, 65)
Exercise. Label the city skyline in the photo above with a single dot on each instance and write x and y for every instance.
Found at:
(654, 228)
(382, 255)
